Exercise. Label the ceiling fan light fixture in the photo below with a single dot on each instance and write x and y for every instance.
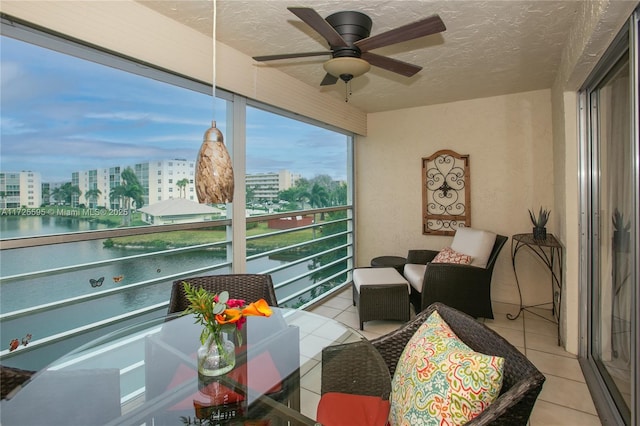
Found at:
(353, 67)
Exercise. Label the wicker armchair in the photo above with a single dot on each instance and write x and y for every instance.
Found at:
(249, 287)
(464, 287)
(521, 385)
(11, 378)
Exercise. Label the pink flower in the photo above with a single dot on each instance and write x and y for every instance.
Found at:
(241, 322)
(235, 303)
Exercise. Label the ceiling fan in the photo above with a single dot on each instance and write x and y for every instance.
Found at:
(347, 33)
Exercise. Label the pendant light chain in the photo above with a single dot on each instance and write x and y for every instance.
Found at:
(213, 36)
(214, 169)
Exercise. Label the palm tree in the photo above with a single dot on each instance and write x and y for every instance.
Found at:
(182, 187)
(318, 196)
(55, 195)
(129, 190)
(250, 194)
(65, 193)
(118, 193)
(302, 191)
(45, 195)
(339, 195)
(92, 196)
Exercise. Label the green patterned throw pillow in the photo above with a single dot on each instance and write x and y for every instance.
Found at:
(441, 381)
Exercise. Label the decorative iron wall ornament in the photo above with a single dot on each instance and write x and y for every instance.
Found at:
(445, 193)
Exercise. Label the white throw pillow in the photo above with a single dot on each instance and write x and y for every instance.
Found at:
(475, 243)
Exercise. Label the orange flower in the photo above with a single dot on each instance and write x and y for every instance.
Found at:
(229, 316)
(259, 308)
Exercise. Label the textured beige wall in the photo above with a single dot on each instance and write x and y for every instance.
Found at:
(508, 139)
(597, 23)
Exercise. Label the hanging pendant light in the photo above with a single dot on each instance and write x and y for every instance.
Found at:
(214, 170)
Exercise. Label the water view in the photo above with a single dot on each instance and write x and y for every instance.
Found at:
(60, 272)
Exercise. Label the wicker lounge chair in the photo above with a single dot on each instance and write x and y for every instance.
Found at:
(249, 287)
(522, 381)
(464, 287)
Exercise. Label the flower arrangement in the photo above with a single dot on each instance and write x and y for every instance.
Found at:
(218, 313)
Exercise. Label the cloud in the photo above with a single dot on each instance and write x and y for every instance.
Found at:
(61, 114)
(145, 117)
(11, 126)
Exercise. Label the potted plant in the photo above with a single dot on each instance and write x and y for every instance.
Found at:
(539, 223)
(621, 236)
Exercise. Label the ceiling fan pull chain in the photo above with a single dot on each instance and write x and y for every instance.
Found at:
(347, 91)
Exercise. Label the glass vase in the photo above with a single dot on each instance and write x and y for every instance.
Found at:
(217, 355)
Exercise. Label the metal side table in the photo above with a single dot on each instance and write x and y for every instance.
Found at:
(550, 252)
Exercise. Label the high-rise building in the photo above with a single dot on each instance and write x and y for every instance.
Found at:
(160, 180)
(20, 189)
(264, 187)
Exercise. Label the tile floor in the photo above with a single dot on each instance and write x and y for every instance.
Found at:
(565, 398)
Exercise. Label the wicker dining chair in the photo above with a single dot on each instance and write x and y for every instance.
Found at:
(249, 287)
(11, 378)
(522, 381)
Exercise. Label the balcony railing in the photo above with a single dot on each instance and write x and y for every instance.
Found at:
(60, 291)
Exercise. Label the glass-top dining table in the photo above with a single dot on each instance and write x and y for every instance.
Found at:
(147, 375)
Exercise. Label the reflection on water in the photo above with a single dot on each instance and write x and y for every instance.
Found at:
(25, 226)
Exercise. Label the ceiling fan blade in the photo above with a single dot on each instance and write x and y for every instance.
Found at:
(322, 27)
(289, 56)
(390, 64)
(328, 80)
(431, 25)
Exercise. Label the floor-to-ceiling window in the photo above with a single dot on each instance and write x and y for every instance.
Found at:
(611, 246)
(97, 195)
(298, 171)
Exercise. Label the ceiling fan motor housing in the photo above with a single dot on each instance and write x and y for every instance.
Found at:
(352, 26)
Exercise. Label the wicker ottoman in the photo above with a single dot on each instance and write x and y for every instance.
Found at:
(380, 294)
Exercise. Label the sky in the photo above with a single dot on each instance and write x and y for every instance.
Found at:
(60, 114)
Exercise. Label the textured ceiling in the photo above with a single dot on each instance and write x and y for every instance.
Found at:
(489, 48)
